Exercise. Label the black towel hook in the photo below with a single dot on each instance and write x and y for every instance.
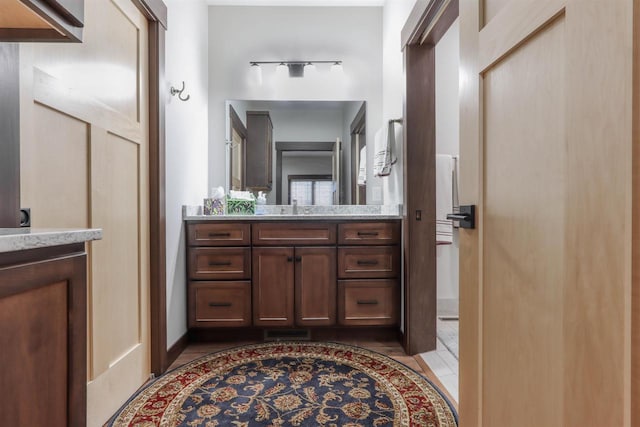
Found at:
(178, 92)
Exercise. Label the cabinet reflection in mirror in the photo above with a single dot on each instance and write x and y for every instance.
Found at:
(308, 151)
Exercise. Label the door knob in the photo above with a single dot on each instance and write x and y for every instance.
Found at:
(466, 216)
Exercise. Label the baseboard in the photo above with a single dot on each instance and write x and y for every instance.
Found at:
(447, 307)
(177, 348)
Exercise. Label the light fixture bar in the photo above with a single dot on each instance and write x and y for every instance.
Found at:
(295, 62)
(296, 68)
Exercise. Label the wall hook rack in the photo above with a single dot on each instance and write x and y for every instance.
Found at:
(178, 92)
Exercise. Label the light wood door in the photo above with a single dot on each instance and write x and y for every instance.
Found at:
(273, 283)
(546, 156)
(315, 286)
(84, 163)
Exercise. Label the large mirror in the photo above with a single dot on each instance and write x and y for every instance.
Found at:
(308, 151)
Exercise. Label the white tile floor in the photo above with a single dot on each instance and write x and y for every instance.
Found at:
(443, 361)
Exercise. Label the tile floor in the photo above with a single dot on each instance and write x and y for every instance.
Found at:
(443, 361)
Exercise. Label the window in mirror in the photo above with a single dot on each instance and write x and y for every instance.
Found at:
(311, 189)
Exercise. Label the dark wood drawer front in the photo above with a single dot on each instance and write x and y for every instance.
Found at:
(220, 263)
(214, 304)
(373, 262)
(368, 302)
(369, 233)
(214, 234)
(277, 234)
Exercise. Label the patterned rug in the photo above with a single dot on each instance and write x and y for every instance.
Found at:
(290, 384)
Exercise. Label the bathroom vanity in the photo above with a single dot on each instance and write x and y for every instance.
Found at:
(298, 273)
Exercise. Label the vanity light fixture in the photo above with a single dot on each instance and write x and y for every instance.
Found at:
(296, 68)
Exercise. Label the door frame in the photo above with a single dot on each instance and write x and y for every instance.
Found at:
(427, 23)
(156, 13)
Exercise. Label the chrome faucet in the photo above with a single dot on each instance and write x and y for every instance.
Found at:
(295, 207)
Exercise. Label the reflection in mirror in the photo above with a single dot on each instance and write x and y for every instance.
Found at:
(308, 151)
(236, 152)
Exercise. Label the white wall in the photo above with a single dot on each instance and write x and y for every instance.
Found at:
(238, 35)
(395, 15)
(186, 144)
(448, 142)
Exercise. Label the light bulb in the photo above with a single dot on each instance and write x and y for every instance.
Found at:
(256, 74)
(282, 70)
(336, 68)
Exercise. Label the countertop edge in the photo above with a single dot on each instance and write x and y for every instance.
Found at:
(24, 239)
(358, 217)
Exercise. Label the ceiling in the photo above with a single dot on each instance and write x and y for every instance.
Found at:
(334, 3)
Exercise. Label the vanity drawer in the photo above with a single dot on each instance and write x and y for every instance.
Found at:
(369, 262)
(368, 302)
(220, 263)
(214, 304)
(277, 234)
(369, 233)
(215, 234)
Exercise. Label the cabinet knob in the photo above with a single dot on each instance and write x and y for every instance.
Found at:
(289, 259)
(298, 259)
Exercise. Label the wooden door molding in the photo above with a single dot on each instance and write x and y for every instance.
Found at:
(10, 131)
(419, 173)
(156, 13)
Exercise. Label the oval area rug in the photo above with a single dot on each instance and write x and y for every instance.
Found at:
(290, 384)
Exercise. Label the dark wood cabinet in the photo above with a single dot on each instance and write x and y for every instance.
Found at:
(219, 269)
(259, 151)
(368, 302)
(285, 274)
(43, 369)
(273, 286)
(315, 286)
(41, 20)
(369, 256)
(219, 304)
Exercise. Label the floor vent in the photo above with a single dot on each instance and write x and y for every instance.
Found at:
(287, 334)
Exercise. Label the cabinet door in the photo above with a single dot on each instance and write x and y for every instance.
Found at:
(273, 286)
(316, 283)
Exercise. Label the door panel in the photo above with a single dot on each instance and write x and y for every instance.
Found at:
(273, 286)
(315, 286)
(85, 164)
(546, 153)
(116, 286)
(524, 229)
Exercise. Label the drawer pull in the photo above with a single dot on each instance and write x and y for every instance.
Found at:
(219, 234)
(219, 263)
(367, 302)
(368, 233)
(367, 262)
(220, 304)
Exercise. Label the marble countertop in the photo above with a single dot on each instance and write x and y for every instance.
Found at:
(17, 239)
(312, 213)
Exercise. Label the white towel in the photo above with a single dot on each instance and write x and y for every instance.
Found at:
(362, 170)
(385, 141)
(444, 198)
